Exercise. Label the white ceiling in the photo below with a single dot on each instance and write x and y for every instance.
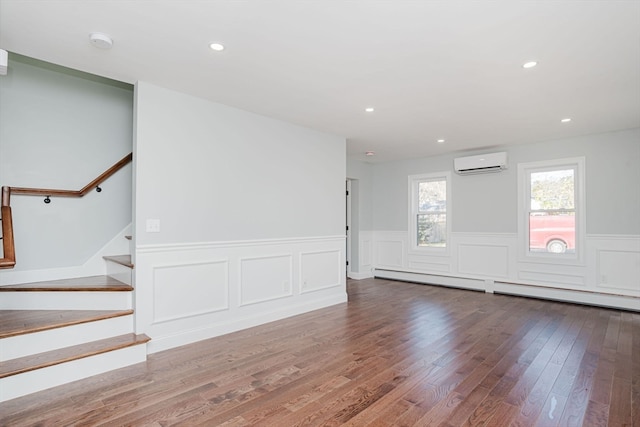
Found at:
(432, 69)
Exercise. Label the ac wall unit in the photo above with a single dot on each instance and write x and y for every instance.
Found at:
(484, 163)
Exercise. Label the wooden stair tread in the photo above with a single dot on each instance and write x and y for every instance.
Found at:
(120, 259)
(54, 357)
(82, 284)
(19, 322)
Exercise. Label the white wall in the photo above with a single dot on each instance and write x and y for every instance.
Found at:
(483, 251)
(251, 215)
(61, 128)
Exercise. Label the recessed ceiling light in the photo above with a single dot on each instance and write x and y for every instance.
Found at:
(101, 41)
(369, 110)
(566, 120)
(529, 64)
(217, 47)
(370, 153)
(440, 141)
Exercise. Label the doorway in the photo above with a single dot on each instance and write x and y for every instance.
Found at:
(348, 228)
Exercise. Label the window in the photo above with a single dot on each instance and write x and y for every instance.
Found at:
(429, 213)
(552, 208)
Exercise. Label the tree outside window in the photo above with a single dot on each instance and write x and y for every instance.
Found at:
(432, 213)
(429, 212)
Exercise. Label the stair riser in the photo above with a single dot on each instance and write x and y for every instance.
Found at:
(65, 301)
(53, 339)
(41, 379)
(120, 272)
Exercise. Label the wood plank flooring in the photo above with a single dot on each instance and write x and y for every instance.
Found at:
(397, 354)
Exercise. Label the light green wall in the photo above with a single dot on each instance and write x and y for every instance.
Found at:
(215, 173)
(60, 128)
(488, 203)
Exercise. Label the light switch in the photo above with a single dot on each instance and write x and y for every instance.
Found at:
(153, 225)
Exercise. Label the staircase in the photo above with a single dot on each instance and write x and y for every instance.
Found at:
(56, 332)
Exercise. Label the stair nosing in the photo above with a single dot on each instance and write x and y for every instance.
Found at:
(71, 285)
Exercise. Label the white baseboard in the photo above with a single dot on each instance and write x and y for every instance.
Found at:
(431, 279)
(190, 292)
(213, 330)
(359, 276)
(569, 295)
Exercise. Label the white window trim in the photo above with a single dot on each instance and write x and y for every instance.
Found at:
(413, 209)
(524, 255)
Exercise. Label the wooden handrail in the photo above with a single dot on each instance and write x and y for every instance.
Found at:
(72, 193)
(8, 259)
(8, 246)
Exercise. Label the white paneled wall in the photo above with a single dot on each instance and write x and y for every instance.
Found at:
(614, 264)
(390, 252)
(207, 289)
(189, 289)
(365, 256)
(609, 276)
(320, 270)
(265, 278)
(366, 249)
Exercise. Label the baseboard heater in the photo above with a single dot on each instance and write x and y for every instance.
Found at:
(575, 296)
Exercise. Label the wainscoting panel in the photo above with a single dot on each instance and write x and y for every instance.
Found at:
(483, 260)
(552, 278)
(265, 278)
(365, 251)
(615, 266)
(433, 264)
(365, 257)
(609, 274)
(390, 253)
(185, 290)
(320, 270)
(190, 292)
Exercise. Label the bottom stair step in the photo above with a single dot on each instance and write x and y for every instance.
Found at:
(67, 354)
(41, 371)
(19, 322)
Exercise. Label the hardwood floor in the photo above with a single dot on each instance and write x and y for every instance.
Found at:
(398, 354)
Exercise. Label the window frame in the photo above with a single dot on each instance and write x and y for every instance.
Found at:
(524, 208)
(414, 181)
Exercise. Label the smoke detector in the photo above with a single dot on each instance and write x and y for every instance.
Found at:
(101, 41)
